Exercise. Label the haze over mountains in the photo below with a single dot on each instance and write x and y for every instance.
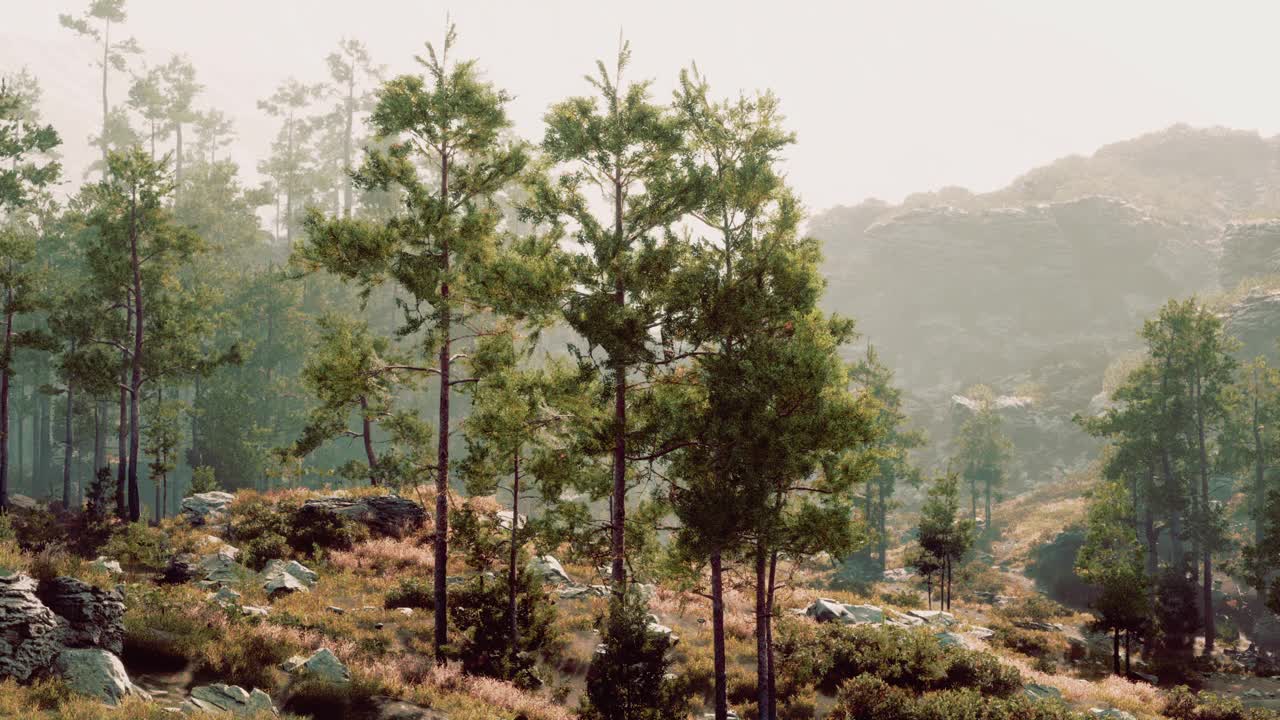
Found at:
(1036, 288)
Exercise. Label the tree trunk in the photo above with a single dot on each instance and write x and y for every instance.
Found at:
(987, 493)
(177, 168)
(514, 555)
(367, 434)
(106, 57)
(1149, 525)
(1206, 511)
(618, 514)
(441, 636)
(135, 377)
(881, 535)
(768, 626)
(67, 448)
(99, 451)
(717, 637)
(6, 353)
(347, 141)
(1127, 653)
(1259, 484)
(762, 632)
(1115, 650)
(122, 434)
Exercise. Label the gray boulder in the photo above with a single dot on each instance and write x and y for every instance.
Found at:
(384, 515)
(1036, 691)
(287, 577)
(321, 665)
(934, 617)
(386, 708)
(549, 570)
(94, 617)
(106, 565)
(30, 634)
(220, 568)
(182, 568)
(826, 610)
(23, 502)
(233, 699)
(950, 639)
(858, 614)
(96, 673)
(208, 508)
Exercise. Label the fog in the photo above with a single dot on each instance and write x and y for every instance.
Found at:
(887, 98)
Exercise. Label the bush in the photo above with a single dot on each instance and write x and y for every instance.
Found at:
(869, 698)
(1183, 704)
(139, 546)
(311, 530)
(1028, 642)
(1035, 607)
(412, 592)
(264, 548)
(479, 611)
(627, 678)
(905, 598)
(830, 655)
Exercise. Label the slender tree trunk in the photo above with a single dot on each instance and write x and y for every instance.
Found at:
(717, 636)
(122, 433)
(441, 636)
(347, 141)
(99, 452)
(928, 588)
(46, 444)
(177, 167)
(20, 469)
(881, 534)
(1149, 524)
(987, 493)
(135, 377)
(1206, 523)
(67, 448)
(618, 509)
(6, 354)
(762, 630)
(106, 57)
(514, 555)
(768, 626)
(367, 434)
(1259, 482)
(1127, 652)
(1115, 650)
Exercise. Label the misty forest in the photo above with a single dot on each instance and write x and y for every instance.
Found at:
(417, 414)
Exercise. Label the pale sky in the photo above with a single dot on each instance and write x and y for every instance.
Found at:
(888, 97)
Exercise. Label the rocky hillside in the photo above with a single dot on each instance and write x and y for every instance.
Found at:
(1034, 289)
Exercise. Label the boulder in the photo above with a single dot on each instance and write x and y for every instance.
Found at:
(321, 665)
(96, 673)
(384, 515)
(286, 577)
(1036, 691)
(950, 639)
(858, 614)
(386, 708)
(225, 596)
(208, 508)
(1037, 625)
(981, 633)
(254, 611)
(94, 617)
(933, 617)
(30, 634)
(220, 568)
(505, 518)
(825, 610)
(1110, 714)
(221, 698)
(182, 568)
(549, 570)
(23, 502)
(111, 567)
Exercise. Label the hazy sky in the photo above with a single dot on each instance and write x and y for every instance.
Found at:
(888, 97)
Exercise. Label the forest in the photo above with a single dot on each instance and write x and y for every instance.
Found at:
(423, 418)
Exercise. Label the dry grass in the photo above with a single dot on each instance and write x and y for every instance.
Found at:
(385, 555)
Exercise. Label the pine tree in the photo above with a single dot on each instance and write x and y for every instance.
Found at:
(95, 23)
(1112, 560)
(982, 450)
(444, 249)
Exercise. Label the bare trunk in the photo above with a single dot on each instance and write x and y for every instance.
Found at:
(768, 626)
(513, 554)
(441, 636)
(717, 637)
(67, 440)
(762, 631)
(135, 376)
(1115, 650)
(1206, 524)
(367, 434)
(6, 353)
(346, 142)
(618, 517)
(106, 58)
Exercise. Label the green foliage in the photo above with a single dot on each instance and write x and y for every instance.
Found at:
(1183, 704)
(203, 480)
(627, 678)
(138, 546)
(828, 655)
(869, 698)
(478, 609)
(411, 592)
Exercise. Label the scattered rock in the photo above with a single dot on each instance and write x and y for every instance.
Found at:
(221, 568)
(23, 502)
(206, 508)
(504, 519)
(1037, 625)
(336, 610)
(981, 633)
(225, 597)
(1036, 691)
(254, 611)
(386, 708)
(898, 575)
(646, 591)
(1110, 714)
(279, 577)
(182, 568)
(322, 665)
(384, 515)
(106, 565)
(30, 634)
(228, 699)
(94, 617)
(549, 570)
(96, 673)
(405, 611)
(858, 614)
(933, 617)
(950, 639)
(656, 627)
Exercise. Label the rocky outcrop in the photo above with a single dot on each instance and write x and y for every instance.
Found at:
(384, 515)
(280, 577)
(1249, 249)
(208, 508)
(386, 708)
(1255, 322)
(30, 634)
(233, 699)
(322, 665)
(94, 617)
(96, 673)
(549, 570)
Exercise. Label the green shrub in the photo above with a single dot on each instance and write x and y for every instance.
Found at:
(627, 678)
(1028, 642)
(478, 609)
(264, 548)
(1183, 704)
(319, 700)
(869, 698)
(139, 546)
(1035, 607)
(311, 530)
(412, 592)
(905, 598)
